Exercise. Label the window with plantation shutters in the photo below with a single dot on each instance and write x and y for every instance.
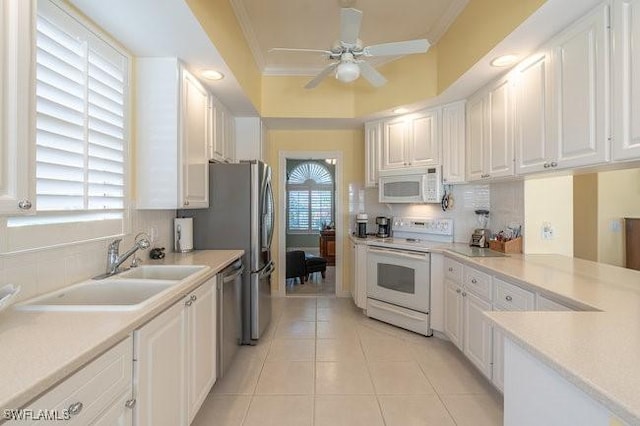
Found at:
(81, 134)
(81, 88)
(310, 198)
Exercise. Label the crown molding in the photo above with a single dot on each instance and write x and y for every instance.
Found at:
(445, 21)
(245, 24)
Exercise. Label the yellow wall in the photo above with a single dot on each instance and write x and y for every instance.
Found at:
(618, 197)
(585, 216)
(220, 23)
(285, 96)
(351, 144)
(548, 200)
(477, 30)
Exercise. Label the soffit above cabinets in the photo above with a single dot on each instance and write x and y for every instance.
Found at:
(167, 28)
(315, 24)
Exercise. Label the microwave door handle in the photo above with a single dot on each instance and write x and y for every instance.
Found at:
(418, 256)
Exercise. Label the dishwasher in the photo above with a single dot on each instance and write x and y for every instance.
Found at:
(229, 288)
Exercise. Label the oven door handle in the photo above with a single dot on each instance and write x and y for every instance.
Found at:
(400, 253)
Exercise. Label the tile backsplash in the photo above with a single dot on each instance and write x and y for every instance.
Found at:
(504, 200)
(49, 269)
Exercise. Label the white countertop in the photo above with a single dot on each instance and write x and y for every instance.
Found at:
(38, 349)
(597, 350)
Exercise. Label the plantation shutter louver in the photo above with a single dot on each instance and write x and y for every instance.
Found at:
(80, 119)
(310, 195)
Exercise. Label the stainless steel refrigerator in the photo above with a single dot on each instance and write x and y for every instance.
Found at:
(240, 216)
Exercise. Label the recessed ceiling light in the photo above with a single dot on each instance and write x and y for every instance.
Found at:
(400, 110)
(504, 60)
(212, 75)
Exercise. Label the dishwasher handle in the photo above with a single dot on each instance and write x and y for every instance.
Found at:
(232, 276)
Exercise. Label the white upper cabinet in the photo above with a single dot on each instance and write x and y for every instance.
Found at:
(490, 132)
(453, 143)
(195, 158)
(626, 79)
(251, 139)
(581, 91)
(17, 101)
(372, 146)
(222, 139)
(500, 130)
(411, 141)
(172, 135)
(535, 143)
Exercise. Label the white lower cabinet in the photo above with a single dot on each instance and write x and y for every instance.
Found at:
(477, 332)
(175, 364)
(96, 394)
(453, 312)
(359, 274)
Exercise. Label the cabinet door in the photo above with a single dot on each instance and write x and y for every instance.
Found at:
(394, 144)
(475, 139)
(118, 414)
(361, 276)
(453, 312)
(477, 333)
(581, 62)
(17, 100)
(230, 139)
(201, 344)
(195, 160)
(626, 79)
(159, 370)
(424, 139)
(372, 136)
(499, 146)
(497, 374)
(533, 133)
(219, 115)
(453, 142)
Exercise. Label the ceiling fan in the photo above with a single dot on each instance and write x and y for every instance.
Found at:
(348, 53)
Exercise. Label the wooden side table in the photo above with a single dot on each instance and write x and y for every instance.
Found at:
(328, 246)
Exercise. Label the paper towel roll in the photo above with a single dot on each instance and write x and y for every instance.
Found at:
(183, 234)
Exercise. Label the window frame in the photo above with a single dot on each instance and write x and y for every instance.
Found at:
(309, 186)
(72, 224)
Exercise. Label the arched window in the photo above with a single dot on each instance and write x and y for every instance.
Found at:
(310, 192)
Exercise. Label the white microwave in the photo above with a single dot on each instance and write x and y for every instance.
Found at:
(419, 185)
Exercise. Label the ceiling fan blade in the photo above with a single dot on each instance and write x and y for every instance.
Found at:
(323, 74)
(398, 48)
(350, 20)
(293, 49)
(371, 74)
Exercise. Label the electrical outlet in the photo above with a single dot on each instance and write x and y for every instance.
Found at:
(615, 225)
(548, 231)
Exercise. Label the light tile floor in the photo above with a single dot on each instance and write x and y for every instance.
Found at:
(323, 362)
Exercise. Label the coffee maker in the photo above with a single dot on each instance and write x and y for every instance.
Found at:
(384, 227)
(361, 225)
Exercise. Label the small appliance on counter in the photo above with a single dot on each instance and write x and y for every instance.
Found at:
(361, 225)
(481, 235)
(384, 227)
(183, 234)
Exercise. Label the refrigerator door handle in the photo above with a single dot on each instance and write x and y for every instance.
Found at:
(267, 270)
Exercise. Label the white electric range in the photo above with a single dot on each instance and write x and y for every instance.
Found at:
(399, 272)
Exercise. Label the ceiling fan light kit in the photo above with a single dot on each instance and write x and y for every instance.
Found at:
(348, 53)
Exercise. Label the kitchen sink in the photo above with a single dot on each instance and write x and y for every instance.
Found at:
(161, 272)
(104, 295)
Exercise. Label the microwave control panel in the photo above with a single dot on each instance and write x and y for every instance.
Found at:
(433, 185)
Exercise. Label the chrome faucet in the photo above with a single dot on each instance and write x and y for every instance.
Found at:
(114, 259)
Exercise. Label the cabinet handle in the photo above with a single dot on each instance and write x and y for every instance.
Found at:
(554, 164)
(24, 205)
(458, 291)
(474, 281)
(130, 403)
(188, 302)
(194, 297)
(444, 179)
(547, 165)
(464, 294)
(450, 269)
(75, 408)
(186, 203)
(508, 298)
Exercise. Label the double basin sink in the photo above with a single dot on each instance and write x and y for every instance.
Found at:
(126, 291)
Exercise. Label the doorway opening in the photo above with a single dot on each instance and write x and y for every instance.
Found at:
(310, 226)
